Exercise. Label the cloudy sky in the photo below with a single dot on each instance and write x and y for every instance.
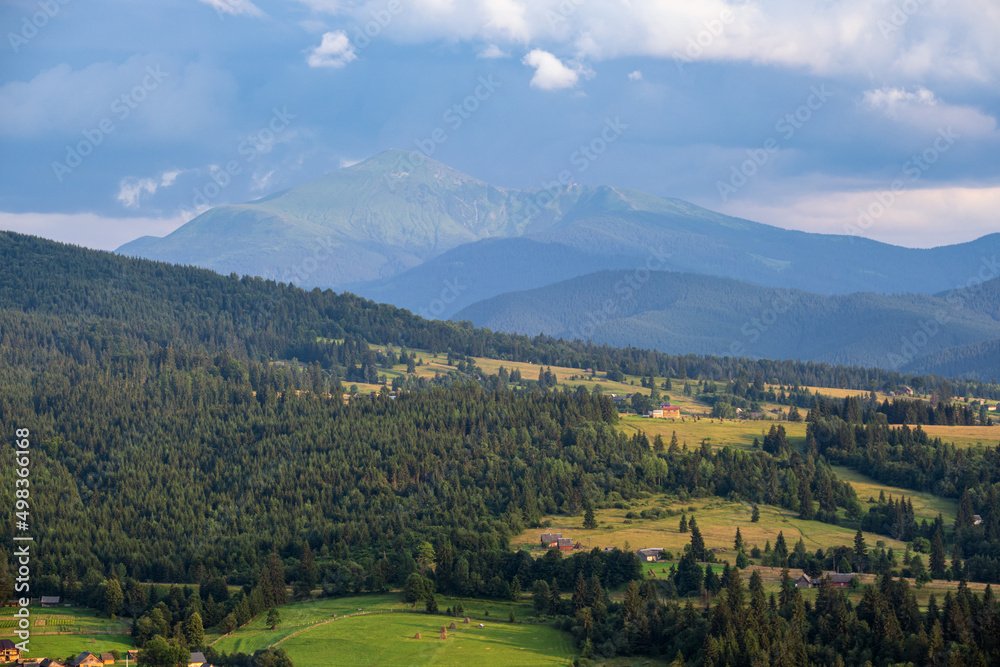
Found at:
(874, 117)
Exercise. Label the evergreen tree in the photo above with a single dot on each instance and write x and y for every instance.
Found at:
(114, 599)
(755, 517)
(860, 552)
(697, 542)
(589, 521)
(738, 541)
(937, 557)
(684, 523)
(194, 630)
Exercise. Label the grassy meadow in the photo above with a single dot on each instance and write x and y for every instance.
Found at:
(925, 505)
(718, 433)
(717, 520)
(388, 638)
(57, 632)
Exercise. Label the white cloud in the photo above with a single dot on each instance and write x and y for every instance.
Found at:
(235, 7)
(924, 110)
(550, 72)
(335, 51)
(492, 51)
(827, 37)
(131, 188)
(915, 218)
(635, 76)
(88, 229)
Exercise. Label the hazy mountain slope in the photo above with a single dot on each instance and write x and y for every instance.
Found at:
(442, 286)
(368, 225)
(705, 315)
(978, 360)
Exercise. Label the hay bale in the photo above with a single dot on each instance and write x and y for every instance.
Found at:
(466, 621)
(444, 629)
(416, 636)
(452, 626)
(443, 635)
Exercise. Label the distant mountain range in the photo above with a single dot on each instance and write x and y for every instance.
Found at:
(444, 244)
(720, 316)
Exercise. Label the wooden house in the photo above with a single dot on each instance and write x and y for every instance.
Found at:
(108, 658)
(50, 601)
(564, 543)
(550, 539)
(8, 651)
(87, 659)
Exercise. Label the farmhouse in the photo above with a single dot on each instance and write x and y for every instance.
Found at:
(564, 543)
(87, 659)
(50, 601)
(9, 652)
(841, 580)
(655, 414)
(650, 555)
(836, 580)
(107, 658)
(550, 539)
(197, 660)
(670, 411)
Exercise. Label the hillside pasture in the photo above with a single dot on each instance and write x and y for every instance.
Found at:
(717, 521)
(925, 505)
(718, 433)
(388, 638)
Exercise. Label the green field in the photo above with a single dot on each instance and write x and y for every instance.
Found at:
(388, 638)
(63, 646)
(718, 433)
(717, 520)
(925, 505)
(58, 632)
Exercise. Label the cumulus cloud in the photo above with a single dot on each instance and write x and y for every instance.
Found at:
(921, 108)
(235, 7)
(550, 72)
(492, 51)
(635, 76)
(334, 51)
(954, 39)
(131, 188)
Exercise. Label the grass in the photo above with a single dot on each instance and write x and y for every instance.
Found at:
(717, 520)
(718, 433)
(965, 436)
(387, 638)
(63, 646)
(58, 632)
(925, 505)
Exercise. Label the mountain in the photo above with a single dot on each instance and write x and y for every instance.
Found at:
(390, 230)
(674, 312)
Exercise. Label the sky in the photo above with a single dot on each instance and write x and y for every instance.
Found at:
(120, 119)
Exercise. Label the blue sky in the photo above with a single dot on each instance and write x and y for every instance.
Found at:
(871, 117)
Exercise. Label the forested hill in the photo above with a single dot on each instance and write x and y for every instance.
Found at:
(119, 306)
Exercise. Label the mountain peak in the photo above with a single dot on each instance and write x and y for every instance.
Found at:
(395, 163)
